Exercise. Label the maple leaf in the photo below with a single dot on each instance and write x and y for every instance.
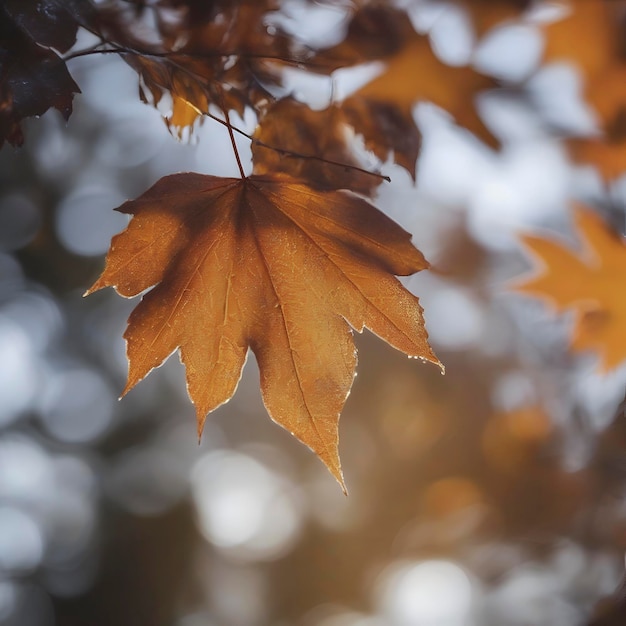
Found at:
(227, 57)
(382, 110)
(385, 128)
(32, 78)
(49, 23)
(591, 37)
(44, 21)
(588, 35)
(606, 152)
(267, 263)
(587, 282)
(187, 83)
(291, 137)
(487, 14)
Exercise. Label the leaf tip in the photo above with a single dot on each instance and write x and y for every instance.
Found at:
(129, 385)
(201, 419)
(99, 284)
(344, 489)
(334, 467)
(428, 356)
(338, 476)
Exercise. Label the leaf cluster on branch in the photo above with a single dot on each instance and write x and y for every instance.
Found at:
(287, 260)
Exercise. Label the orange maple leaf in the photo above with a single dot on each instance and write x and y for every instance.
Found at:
(588, 282)
(297, 135)
(487, 14)
(591, 38)
(382, 110)
(267, 263)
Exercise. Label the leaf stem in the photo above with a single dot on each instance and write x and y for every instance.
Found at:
(231, 134)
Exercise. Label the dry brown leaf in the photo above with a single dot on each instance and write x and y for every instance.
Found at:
(33, 78)
(382, 110)
(588, 282)
(588, 37)
(186, 84)
(267, 263)
(416, 75)
(309, 145)
(385, 128)
(607, 153)
(591, 37)
(487, 14)
(48, 23)
(223, 57)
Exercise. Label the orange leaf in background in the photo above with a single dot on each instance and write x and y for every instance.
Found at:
(587, 36)
(511, 437)
(267, 263)
(591, 37)
(417, 75)
(382, 110)
(487, 14)
(589, 282)
(607, 153)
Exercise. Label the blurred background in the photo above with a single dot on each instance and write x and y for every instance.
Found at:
(493, 495)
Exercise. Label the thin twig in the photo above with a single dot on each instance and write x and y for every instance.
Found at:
(297, 155)
(190, 55)
(231, 134)
(226, 122)
(90, 51)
